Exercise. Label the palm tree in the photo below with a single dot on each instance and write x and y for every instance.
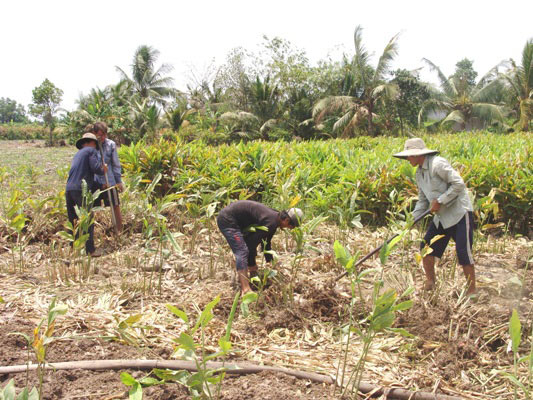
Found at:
(147, 82)
(520, 81)
(372, 84)
(463, 104)
(264, 98)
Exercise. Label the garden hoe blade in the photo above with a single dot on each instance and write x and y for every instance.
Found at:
(113, 217)
(362, 260)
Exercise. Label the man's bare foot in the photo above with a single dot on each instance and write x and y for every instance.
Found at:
(429, 285)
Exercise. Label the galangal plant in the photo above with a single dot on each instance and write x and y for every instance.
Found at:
(42, 338)
(9, 393)
(381, 318)
(15, 220)
(206, 382)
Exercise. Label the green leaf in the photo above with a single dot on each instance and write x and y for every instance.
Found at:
(516, 382)
(178, 313)
(249, 297)
(407, 292)
(34, 394)
(225, 345)
(401, 331)
(127, 379)
(366, 272)
(515, 330)
(186, 342)
(382, 321)
(403, 305)
(9, 390)
(172, 240)
(384, 253)
(136, 392)
(149, 381)
(207, 313)
(341, 254)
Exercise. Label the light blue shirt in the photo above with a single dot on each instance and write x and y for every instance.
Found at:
(114, 173)
(436, 179)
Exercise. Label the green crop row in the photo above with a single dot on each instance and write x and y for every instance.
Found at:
(338, 178)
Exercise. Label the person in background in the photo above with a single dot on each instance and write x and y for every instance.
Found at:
(114, 176)
(245, 224)
(84, 166)
(442, 190)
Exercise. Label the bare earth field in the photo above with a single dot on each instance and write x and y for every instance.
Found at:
(459, 345)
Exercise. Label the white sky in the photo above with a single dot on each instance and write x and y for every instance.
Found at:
(77, 44)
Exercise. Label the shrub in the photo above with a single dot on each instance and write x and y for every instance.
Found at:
(339, 177)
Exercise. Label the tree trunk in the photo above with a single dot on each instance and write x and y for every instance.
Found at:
(370, 124)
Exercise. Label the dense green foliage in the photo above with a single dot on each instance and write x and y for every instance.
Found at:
(11, 111)
(337, 178)
(22, 131)
(277, 94)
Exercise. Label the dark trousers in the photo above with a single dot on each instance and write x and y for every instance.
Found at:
(462, 233)
(75, 198)
(235, 239)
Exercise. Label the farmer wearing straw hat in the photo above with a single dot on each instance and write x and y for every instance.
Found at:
(245, 224)
(83, 167)
(443, 191)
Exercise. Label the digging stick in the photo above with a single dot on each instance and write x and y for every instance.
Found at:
(362, 260)
(111, 204)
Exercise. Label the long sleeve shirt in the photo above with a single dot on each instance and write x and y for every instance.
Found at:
(243, 214)
(83, 167)
(114, 174)
(436, 179)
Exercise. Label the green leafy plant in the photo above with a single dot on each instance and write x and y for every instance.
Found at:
(137, 385)
(381, 318)
(78, 233)
(16, 222)
(206, 382)
(9, 392)
(43, 337)
(515, 332)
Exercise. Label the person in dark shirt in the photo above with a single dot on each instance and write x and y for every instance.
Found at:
(245, 224)
(83, 167)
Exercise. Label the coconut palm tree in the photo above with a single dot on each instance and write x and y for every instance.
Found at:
(264, 98)
(520, 82)
(463, 104)
(148, 82)
(372, 88)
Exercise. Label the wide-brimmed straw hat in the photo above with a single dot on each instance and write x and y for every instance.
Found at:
(85, 138)
(414, 147)
(296, 215)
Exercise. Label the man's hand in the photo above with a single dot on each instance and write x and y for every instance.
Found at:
(435, 206)
(120, 187)
(105, 168)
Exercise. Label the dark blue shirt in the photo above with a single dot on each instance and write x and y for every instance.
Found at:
(83, 167)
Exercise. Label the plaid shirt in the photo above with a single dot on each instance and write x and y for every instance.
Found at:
(114, 174)
(436, 179)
